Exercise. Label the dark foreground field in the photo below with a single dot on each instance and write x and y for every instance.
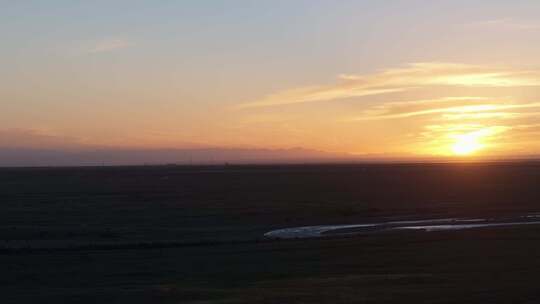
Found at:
(194, 234)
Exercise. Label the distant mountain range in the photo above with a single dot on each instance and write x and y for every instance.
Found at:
(96, 157)
(31, 157)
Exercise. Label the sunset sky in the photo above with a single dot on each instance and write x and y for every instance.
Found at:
(366, 78)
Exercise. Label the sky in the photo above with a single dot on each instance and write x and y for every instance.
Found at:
(394, 79)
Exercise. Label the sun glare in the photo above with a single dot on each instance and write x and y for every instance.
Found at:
(466, 144)
(472, 142)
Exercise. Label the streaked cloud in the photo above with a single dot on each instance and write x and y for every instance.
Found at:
(310, 94)
(410, 77)
(391, 111)
(441, 108)
(36, 139)
(507, 23)
(109, 45)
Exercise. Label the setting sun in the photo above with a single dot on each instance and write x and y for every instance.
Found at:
(471, 142)
(466, 145)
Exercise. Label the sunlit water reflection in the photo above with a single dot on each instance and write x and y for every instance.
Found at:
(428, 225)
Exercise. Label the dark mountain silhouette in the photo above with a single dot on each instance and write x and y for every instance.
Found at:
(97, 157)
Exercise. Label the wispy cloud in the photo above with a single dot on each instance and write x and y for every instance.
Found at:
(439, 123)
(412, 76)
(508, 24)
(36, 139)
(345, 89)
(456, 111)
(109, 45)
(464, 100)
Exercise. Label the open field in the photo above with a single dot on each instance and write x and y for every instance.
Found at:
(176, 234)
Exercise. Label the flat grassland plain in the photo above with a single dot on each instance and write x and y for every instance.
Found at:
(194, 234)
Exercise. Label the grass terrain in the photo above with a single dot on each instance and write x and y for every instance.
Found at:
(193, 234)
